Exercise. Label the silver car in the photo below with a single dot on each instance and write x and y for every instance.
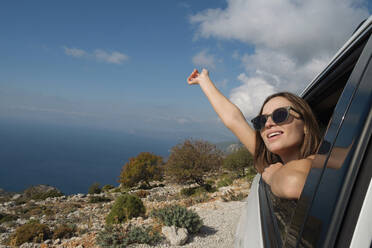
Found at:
(335, 207)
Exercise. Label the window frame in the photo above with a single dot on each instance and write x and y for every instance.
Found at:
(300, 220)
(314, 186)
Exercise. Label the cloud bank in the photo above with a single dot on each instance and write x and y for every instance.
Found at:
(98, 54)
(204, 59)
(293, 41)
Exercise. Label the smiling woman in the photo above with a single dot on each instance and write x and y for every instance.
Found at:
(285, 137)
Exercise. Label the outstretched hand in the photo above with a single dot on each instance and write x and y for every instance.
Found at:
(196, 77)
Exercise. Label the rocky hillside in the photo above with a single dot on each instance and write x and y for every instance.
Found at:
(78, 220)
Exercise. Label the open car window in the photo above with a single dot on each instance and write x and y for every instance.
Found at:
(341, 100)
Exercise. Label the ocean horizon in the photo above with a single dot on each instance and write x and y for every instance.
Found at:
(68, 158)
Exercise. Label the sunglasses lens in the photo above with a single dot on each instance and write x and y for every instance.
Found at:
(259, 122)
(280, 115)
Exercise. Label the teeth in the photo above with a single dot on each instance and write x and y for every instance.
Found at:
(273, 134)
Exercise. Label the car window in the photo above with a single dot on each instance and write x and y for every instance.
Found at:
(336, 164)
(340, 102)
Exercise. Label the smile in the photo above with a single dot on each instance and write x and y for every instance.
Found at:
(274, 134)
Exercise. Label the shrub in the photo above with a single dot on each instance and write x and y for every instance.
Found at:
(41, 192)
(225, 180)
(111, 236)
(145, 167)
(94, 189)
(178, 216)
(30, 232)
(3, 229)
(238, 161)
(199, 192)
(188, 191)
(115, 237)
(191, 160)
(143, 235)
(64, 231)
(97, 199)
(7, 217)
(107, 187)
(125, 207)
(117, 190)
(142, 193)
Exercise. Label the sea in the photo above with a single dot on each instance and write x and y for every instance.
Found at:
(68, 158)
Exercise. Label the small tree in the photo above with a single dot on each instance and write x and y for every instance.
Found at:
(145, 167)
(94, 189)
(191, 160)
(238, 161)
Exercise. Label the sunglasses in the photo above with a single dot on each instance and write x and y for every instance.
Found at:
(278, 116)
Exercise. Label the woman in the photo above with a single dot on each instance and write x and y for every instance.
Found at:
(286, 135)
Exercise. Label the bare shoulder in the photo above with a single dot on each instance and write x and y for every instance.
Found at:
(301, 164)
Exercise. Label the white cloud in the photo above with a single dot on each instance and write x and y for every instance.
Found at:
(249, 96)
(203, 59)
(74, 52)
(114, 57)
(293, 41)
(98, 54)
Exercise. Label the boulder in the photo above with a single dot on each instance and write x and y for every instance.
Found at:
(175, 235)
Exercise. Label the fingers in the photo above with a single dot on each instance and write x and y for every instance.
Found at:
(193, 75)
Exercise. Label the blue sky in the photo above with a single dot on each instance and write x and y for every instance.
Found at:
(122, 65)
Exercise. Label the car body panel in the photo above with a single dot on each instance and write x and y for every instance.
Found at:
(363, 232)
(249, 228)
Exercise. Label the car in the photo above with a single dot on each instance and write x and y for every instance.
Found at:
(335, 207)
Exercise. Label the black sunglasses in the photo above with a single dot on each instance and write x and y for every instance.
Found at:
(279, 115)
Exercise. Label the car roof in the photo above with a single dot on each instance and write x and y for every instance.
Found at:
(363, 28)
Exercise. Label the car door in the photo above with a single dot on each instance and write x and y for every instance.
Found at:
(328, 210)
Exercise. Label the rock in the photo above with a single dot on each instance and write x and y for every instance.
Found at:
(16, 197)
(57, 242)
(29, 245)
(175, 235)
(48, 241)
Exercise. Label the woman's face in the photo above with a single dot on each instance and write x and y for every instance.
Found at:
(284, 139)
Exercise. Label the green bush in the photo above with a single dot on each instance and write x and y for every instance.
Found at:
(30, 232)
(115, 237)
(238, 161)
(198, 190)
(188, 191)
(64, 231)
(45, 195)
(125, 207)
(40, 192)
(94, 189)
(7, 217)
(178, 216)
(144, 168)
(97, 199)
(143, 235)
(224, 182)
(107, 187)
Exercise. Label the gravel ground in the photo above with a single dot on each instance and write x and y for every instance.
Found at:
(220, 221)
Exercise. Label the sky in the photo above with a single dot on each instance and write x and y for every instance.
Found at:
(122, 65)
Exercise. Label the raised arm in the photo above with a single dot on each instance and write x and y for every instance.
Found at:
(230, 115)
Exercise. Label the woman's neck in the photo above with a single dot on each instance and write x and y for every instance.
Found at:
(288, 157)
